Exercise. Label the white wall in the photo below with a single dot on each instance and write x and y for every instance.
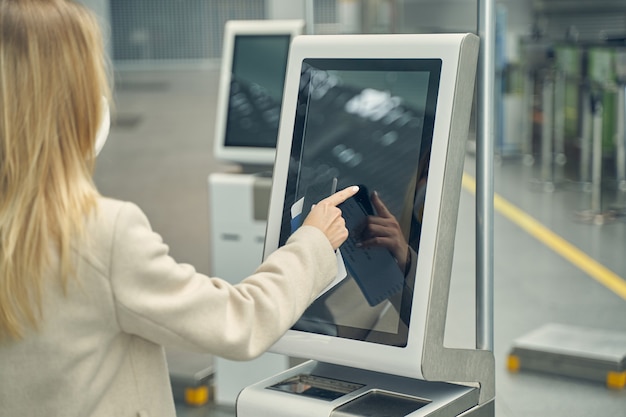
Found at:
(285, 9)
(456, 15)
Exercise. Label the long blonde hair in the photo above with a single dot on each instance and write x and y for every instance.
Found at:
(52, 79)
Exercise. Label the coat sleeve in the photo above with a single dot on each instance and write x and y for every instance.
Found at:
(173, 305)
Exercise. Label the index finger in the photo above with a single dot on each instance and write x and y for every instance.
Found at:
(341, 196)
(380, 207)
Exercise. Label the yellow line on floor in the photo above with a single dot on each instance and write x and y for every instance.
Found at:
(568, 251)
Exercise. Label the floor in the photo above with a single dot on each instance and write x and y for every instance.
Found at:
(159, 156)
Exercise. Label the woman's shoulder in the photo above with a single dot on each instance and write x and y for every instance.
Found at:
(111, 215)
(106, 227)
(109, 210)
(112, 205)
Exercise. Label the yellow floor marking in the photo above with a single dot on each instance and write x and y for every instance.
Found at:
(568, 251)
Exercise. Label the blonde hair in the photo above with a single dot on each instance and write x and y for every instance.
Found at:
(52, 79)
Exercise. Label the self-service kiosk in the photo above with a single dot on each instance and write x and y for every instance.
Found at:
(389, 113)
(254, 61)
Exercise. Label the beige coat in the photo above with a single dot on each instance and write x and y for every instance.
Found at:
(99, 351)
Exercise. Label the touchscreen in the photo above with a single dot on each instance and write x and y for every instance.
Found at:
(367, 122)
(256, 90)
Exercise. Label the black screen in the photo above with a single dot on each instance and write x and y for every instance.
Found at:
(256, 90)
(365, 122)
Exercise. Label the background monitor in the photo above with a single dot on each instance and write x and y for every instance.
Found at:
(254, 61)
(391, 114)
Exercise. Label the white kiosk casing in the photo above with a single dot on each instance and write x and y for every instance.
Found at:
(350, 392)
(254, 63)
(237, 220)
(443, 65)
(449, 50)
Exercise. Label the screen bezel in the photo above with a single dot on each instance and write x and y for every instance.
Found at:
(252, 155)
(419, 65)
(405, 361)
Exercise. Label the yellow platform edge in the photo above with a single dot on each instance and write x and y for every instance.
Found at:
(616, 380)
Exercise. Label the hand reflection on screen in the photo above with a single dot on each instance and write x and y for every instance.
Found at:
(381, 266)
(383, 230)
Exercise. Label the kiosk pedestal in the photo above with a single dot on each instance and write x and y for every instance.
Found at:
(237, 221)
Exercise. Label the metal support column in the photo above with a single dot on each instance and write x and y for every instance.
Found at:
(559, 127)
(596, 157)
(620, 134)
(585, 137)
(620, 70)
(529, 109)
(596, 214)
(620, 140)
(484, 175)
(547, 133)
(621, 151)
(309, 16)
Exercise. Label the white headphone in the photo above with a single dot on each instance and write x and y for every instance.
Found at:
(103, 129)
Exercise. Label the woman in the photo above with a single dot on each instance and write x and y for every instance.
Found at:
(88, 293)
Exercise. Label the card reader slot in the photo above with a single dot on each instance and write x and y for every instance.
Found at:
(315, 386)
(380, 403)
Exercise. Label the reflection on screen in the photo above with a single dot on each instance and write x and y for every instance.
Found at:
(367, 122)
(256, 90)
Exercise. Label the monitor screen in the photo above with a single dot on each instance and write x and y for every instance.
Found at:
(250, 93)
(256, 90)
(389, 113)
(367, 122)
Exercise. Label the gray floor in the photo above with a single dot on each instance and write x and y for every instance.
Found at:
(159, 156)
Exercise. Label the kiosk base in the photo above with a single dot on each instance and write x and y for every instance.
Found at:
(592, 354)
(238, 218)
(321, 389)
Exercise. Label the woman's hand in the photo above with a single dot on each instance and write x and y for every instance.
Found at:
(327, 217)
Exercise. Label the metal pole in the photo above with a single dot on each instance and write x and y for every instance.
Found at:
(547, 129)
(620, 145)
(585, 138)
(620, 140)
(484, 175)
(559, 126)
(527, 136)
(309, 13)
(596, 157)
